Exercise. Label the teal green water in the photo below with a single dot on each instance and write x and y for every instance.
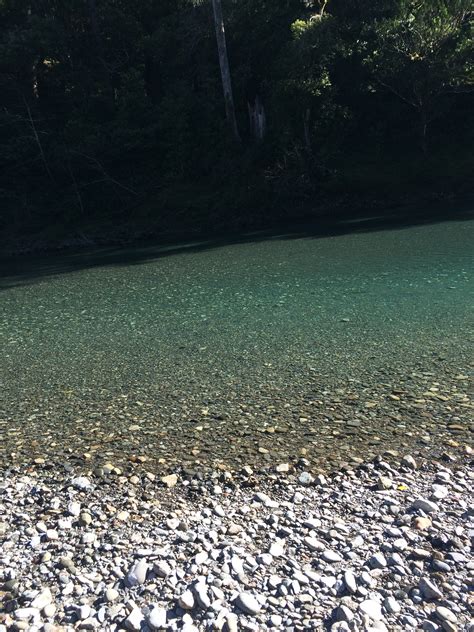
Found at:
(291, 345)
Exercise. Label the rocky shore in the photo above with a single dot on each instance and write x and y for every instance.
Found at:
(384, 546)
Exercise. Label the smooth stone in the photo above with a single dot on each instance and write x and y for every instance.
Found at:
(43, 599)
(446, 615)
(202, 596)
(248, 603)
(49, 611)
(425, 505)
(313, 544)
(409, 461)
(371, 608)
(350, 581)
(391, 605)
(25, 614)
(331, 556)
(342, 613)
(111, 595)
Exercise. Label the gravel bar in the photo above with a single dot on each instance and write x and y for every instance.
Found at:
(383, 546)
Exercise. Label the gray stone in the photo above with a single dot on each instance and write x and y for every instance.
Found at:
(409, 461)
(350, 581)
(445, 614)
(248, 603)
(313, 544)
(429, 590)
(343, 613)
(331, 556)
(425, 505)
(377, 561)
(391, 605)
(305, 478)
(137, 574)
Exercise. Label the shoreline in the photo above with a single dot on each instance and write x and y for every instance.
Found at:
(338, 217)
(383, 546)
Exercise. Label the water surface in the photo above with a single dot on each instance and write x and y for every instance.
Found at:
(255, 352)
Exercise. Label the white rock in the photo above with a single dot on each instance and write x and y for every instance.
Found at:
(157, 618)
(305, 478)
(378, 561)
(111, 595)
(331, 556)
(49, 611)
(134, 620)
(25, 614)
(350, 581)
(409, 461)
(391, 605)
(170, 480)
(276, 549)
(200, 558)
(82, 483)
(248, 603)
(371, 608)
(400, 544)
(446, 615)
(314, 544)
(43, 599)
(137, 574)
(201, 596)
(162, 568)
(74, 508)
(186, 600)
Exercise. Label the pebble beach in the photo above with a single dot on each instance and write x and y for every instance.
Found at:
(385, 545)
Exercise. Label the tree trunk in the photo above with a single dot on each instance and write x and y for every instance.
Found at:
(224, 65)
(257, 118)
(306, 129)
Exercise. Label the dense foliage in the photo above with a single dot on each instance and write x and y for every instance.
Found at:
(112, 112)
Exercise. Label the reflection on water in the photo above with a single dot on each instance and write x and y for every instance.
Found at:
(253, 351)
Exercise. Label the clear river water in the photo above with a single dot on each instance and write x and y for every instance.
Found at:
(332, 348)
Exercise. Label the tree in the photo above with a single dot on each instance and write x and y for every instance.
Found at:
(224, 66)
(424, 54)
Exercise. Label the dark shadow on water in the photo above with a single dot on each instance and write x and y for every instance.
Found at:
(26, 269)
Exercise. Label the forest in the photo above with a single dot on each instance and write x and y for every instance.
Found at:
(122, 120)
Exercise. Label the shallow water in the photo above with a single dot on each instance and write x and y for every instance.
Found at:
(245, 353)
